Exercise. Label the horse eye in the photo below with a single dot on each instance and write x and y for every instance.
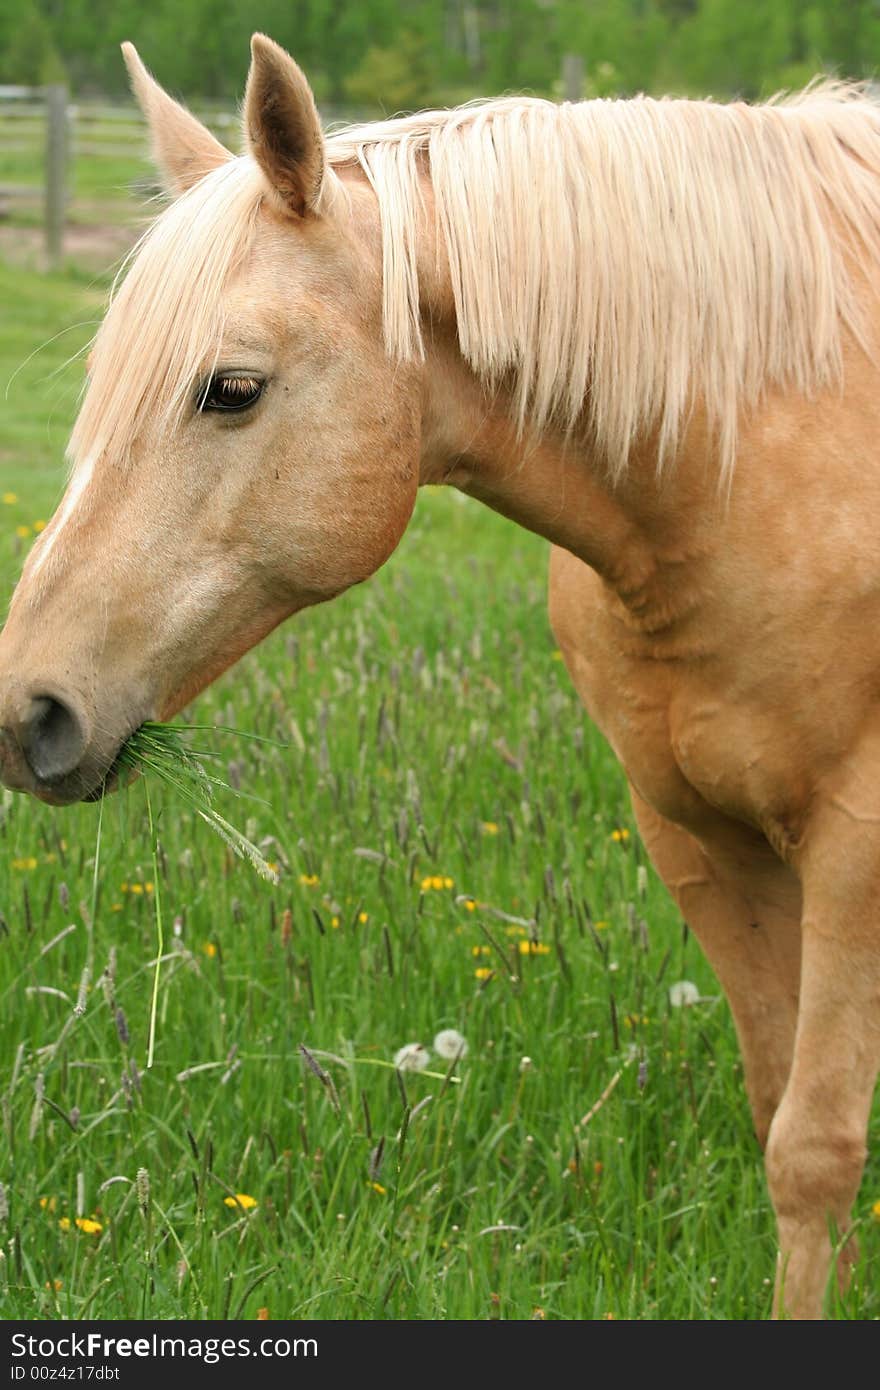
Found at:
(230, 393)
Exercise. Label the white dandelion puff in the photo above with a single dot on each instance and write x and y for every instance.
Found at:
(450, 1044)
(683, 994)
(412, 1057)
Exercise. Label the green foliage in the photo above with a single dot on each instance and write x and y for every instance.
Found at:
(393, 54)
(394, 79)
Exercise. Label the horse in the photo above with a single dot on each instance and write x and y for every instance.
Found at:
(644, 329)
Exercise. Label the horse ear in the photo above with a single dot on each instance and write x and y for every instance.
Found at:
(282, 126)
(183, 148)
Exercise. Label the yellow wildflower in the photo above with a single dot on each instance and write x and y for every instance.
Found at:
(210, 949)
(137, 888)
(600, 926)
(23, 532)
(88, 1225)
(29, 862)
(148, 887)
(363, 917)
(64, 1223)
(481, 950)
(10, 498)
(377, 1187)
(123, 887)
(39, 526)
(334, 921)
(875, 1211)
(48, 1203)
(309, 880)
(533, 948)
(557, 655)
(54, 1285)
(262, 1315)
(273, 865)
(489, 827)
(621, 836)
(242, 1200)
(484, 972)
(470, 904)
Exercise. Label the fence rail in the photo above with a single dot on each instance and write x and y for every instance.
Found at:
(68, 164)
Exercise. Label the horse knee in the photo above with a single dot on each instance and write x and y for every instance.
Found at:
(813, 1173)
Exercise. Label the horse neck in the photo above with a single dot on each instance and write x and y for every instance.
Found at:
(554, 485)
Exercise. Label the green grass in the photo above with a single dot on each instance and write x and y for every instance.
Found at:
(432, 733)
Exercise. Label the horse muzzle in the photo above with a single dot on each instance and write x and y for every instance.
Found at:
(48, 747)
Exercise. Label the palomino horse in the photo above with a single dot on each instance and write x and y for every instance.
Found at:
(644, 330)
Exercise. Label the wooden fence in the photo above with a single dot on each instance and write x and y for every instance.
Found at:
(61, 159)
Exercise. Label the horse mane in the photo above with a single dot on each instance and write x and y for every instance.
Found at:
(615, 260)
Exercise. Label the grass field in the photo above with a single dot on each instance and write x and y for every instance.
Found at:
(456, 852)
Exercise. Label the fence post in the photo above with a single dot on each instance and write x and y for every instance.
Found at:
(56, 172)
(572, 77)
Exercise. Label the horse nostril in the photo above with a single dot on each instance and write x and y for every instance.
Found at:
(51, 738)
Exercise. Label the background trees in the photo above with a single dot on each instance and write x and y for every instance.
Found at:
(393, 54)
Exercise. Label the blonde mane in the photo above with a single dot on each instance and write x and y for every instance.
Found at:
(614, 260)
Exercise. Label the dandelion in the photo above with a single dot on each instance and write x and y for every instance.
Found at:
(449, 1044)
(240, 1200)
(620, 835)
(683, 994)
(88, 1225)
(334, 921)
(209, 949)
(412, 1057)
(470, 904)
(533, 948)
(438, 882)
(363, 918)
(481, 950)
(39, 525)
(485, 972)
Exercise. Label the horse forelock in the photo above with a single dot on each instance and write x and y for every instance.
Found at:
(166, 313)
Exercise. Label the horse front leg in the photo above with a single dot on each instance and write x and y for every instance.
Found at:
(817, 1144)
(743, 906)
